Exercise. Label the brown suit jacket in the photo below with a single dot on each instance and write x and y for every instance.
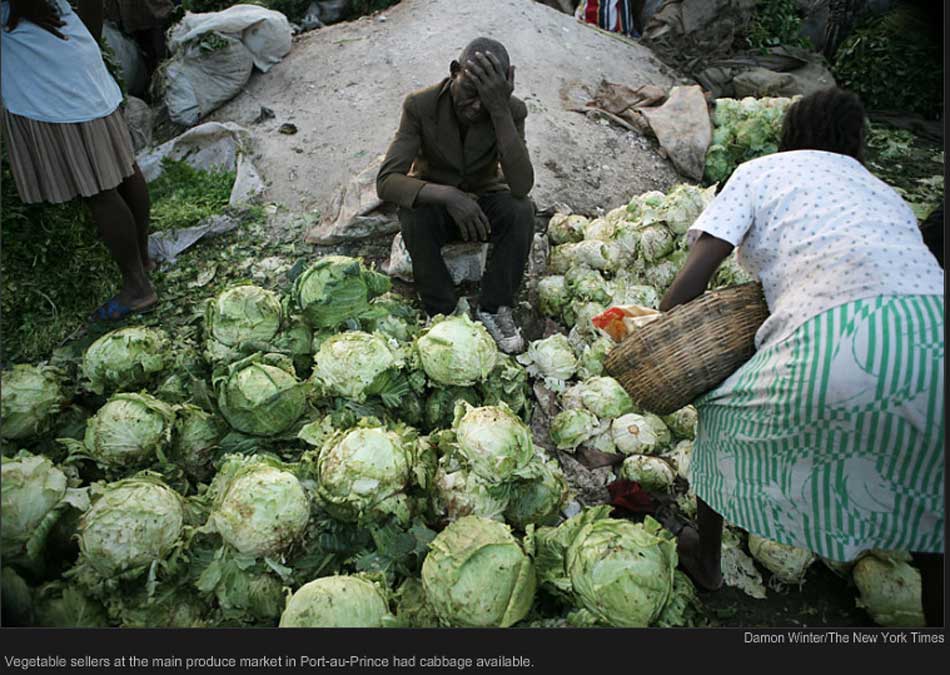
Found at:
(428, 148)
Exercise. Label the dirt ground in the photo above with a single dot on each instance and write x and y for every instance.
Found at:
(343, 87)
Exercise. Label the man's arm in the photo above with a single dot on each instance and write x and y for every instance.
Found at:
(494, 90)
(392, 182)
(91, 13)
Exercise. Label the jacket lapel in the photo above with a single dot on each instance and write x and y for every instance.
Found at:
(450, 139)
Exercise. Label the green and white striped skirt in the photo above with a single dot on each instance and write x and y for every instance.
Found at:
(832, 440)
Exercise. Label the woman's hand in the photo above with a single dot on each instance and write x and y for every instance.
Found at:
(494, 85)
(38, 12)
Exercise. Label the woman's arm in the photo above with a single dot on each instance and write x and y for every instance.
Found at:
(92, 14)
(705, 256)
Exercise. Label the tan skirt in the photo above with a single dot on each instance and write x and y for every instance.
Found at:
(59, 162)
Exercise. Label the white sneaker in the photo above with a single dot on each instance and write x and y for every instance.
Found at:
(501, 326)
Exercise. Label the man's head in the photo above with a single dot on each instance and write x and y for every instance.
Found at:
(464, 93)
(831, 120)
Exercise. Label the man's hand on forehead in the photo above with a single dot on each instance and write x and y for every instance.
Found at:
(494, 85)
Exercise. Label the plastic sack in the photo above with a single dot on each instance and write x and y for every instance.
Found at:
(203, 75)
(266, 34)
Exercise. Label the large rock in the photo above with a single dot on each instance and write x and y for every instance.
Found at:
(466, 261)
(343, 87)
(759, 82)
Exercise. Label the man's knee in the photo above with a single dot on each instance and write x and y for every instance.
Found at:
(522, 217)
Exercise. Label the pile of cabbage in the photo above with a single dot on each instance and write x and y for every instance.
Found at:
(629, 256)
(294, 462)
(321, 456)
(742, 130)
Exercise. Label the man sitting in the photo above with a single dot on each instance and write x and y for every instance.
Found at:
(459, 169)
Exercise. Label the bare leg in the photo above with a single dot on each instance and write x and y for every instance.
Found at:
(117, 229)
(931, 582)
(134, 191)
(700, 552)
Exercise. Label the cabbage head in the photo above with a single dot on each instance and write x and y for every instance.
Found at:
(590, 253)
(477, 575)
(336, 602)
(787, 563)
(572, 427)
(719, 164)
(656, 242)
(457, 351)
(682, 423)
(259, 507)
(622, 572)
(652, 473)
(239, 315)
(590, 361)
(507, 383)
(553, 295)
(635, 434)
(566, 229)
(730, 273)
(537, 500)
(336, 289)
(131, 524)
(197, 434)
(492, 441)
(363, 474)
(30, 397)
(683, 205)
(681, 457)
(586, 284)
(130, 430)
(647, 208)
(32, 488)
(393, 317)
(890, 590)
(353, 365)
(551, 359)
(626, 291)
(261, 395)
(661, 274)
(124, 359)
(603, 396)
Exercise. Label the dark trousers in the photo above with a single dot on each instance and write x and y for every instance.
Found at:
(426, 229)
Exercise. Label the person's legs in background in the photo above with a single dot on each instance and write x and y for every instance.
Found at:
(425, 230)
(931, 586)
(134, 190)
(118, 230)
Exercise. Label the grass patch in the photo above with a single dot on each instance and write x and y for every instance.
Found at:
(55, 268)
(183, 196)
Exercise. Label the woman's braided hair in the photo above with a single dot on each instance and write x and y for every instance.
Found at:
(831, 120)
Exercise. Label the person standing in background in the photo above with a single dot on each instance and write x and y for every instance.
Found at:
(66, 137)
(146, 21)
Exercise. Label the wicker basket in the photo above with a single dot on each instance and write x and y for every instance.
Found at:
(691, 349)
